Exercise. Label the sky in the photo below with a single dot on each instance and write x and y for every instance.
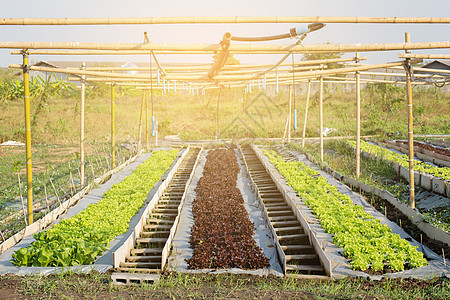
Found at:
(212, 33)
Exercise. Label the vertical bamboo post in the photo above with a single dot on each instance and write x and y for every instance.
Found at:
(276, 81)
(113, 125)
(289, 115)
(321, 116)
(140, 120)
(308, 93)
(26, 84)
(358, 119)
(151, 98)
(412, 200)
(293, 92)
(147, 138)
(83, 91)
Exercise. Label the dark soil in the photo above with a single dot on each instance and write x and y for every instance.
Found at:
(222, 232)
(429, 148)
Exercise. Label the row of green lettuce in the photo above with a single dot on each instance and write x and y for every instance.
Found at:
(376, 173)
(80, 239)
(367, 242)
(403, 160)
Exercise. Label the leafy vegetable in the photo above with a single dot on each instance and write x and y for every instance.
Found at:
(403, 160)
(367, 242)
(80, 239)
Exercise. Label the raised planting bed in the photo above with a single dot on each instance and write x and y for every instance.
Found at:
(221, 236)
(423, 151)
(366, 241)
(428, 147)
(427, 176)
(412, 221)
(80, 239)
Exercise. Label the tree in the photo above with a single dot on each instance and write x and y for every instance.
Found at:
(316, 56)
(231, 60)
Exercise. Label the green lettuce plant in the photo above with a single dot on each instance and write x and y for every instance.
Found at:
(80, 239)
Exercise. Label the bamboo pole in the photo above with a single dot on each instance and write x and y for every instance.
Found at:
(306, 112)
(135, 52)
(358, 120)
(151, 98)
(222, 20)
(140, 120)
(113, 125)
(147, 137)
(174, 68)
(424, 56)
(137, 77)
(400, 74)
(26, 80)
(83, 90)
(327, 48)
(352, 80)
(289, 115)
(321, 117)
(412, 201)
(431, 70)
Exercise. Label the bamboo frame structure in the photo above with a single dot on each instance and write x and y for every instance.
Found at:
(321, 48)
(26, 80)
(399, 74)
(412, 201)
(204, 78)
(424, 56)
(240, 73)
(141, 116)
(358, 119)
(321, 117)
(308, 93)
(147, 136)
(83, 91)
(113, 127)
(289, 115)
(222, 20)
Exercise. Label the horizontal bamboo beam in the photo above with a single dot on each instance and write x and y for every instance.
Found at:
(397, 74)
(424, 56)
(204, 78)
(82, 72)
(352, 80)
(129, 52)
(297, 65)
(329, 48)
(181, 77)
(416, 69)
(220, 20)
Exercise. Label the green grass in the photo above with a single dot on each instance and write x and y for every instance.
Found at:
(226, 286)
(194, 117)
